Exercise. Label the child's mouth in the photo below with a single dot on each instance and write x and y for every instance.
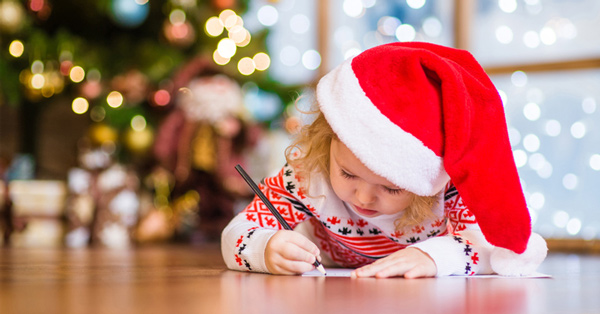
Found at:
(364, 211)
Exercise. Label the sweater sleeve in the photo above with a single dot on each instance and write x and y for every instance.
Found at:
(463, 250)
(245, 238)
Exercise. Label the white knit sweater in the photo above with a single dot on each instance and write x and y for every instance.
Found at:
(453, 239)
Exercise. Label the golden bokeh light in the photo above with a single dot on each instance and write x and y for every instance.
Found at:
(232, 21)
(77, 74)
(220, 60)
(225, 14)
(246, 40)
(38, 81)
(16, 48)
(261, 61)
(114, 99)
(237, 34)
(226, 48)
(214, 27)
(246, 66)
(80, 105)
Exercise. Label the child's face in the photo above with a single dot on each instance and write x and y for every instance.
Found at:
(369, 194)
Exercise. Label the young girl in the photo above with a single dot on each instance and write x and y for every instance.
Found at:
(406, 171)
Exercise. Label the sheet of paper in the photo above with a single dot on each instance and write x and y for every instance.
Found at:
(345, 272)
(331, 272)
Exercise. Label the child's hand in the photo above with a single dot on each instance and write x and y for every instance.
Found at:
(410, 263)
(289, 252)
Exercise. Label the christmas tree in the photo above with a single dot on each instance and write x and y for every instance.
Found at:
(120, 63)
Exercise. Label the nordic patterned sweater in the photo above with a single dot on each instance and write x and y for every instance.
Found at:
(452, 239)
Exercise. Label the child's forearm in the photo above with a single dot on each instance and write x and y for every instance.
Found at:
(243, 245)
(466, 253)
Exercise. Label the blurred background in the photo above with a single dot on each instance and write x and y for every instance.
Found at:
(121, 120)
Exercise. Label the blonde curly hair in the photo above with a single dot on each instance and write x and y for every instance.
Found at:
(310, 152)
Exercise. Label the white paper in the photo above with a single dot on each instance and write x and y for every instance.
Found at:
(345, 272)
(331, 272)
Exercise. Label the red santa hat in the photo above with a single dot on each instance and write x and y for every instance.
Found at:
(419, 115)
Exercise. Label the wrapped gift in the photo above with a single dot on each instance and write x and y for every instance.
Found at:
(37, 212)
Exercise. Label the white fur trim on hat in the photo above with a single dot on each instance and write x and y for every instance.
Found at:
(381, 145)
(508, 263)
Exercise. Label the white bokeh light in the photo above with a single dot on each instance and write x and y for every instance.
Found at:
(535, 95)
(514, 136)
(268, 15)
(536, 200)
(578, 130)
(537, 161)
(548, 36)
(588, 105)
(595, 162)
(573, 226)
(299, 24)
(432, 27)
(289, 56)
(545, 171)
(560, 218)
(552, 128)
(503, 97)
(405, 32)
(520, 158)
(387, 25)
(519, 78)
(508, 6)
(311, 59)
(415, 4)
(532, 111)
(570, 181)
(531, 39)
(353, 8)
(531, 142)
(504, 34)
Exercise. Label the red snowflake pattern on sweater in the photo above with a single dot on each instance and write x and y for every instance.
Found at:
(459, 215)
(349, 242)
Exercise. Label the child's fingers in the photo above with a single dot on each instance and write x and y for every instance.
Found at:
(296, 253)
(289, 252)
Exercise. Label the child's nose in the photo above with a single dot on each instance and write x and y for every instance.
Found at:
(365, 193)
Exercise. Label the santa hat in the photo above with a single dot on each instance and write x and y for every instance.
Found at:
(419, 115)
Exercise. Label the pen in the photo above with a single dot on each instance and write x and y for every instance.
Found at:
(272, 208)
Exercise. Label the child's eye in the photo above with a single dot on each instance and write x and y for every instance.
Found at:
(392, 191)
(346, 174)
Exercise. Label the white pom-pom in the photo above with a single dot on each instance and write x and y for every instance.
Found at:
(508, 263)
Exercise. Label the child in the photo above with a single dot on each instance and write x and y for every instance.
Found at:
(407, 171)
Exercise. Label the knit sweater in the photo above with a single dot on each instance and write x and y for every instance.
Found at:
(452, 238)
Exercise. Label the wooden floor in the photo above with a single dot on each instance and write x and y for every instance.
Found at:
(182, 279)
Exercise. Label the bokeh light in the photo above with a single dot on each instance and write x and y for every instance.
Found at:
(246, 66)
(405, 32)
(114, 99)
(138, 123)
(261, 61)
(80, 105)
(311, 59)
(77, 74)
(226, 48)
(16, 48)
(268, 15)
(37, 81)
(220, 60)
(214, 27)
(161, 97)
